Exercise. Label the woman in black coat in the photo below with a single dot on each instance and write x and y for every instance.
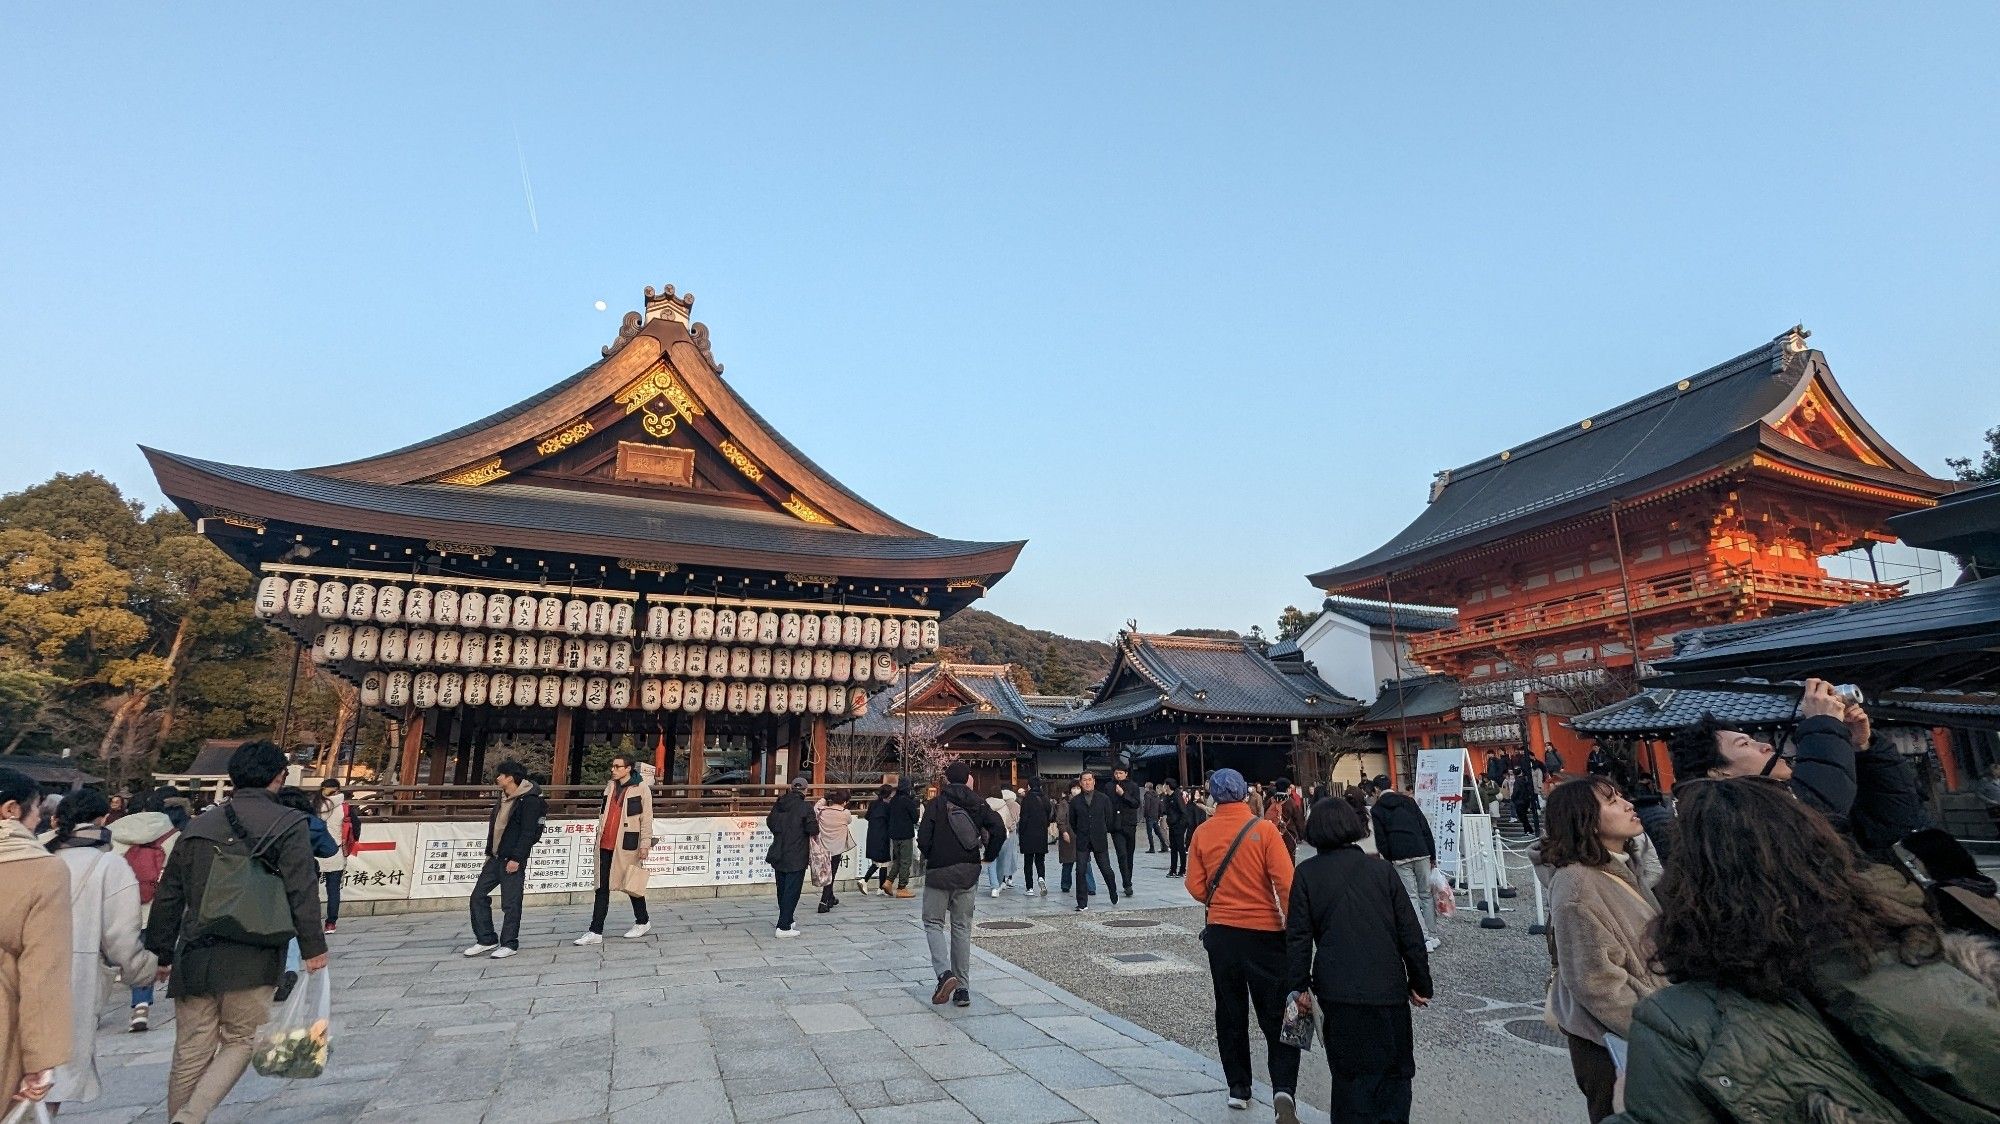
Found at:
(878, 839)
(1033, 832)
(1354, 942)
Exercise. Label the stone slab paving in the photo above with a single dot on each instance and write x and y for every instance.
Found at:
(711, 1017)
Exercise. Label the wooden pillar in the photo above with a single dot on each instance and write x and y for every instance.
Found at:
(439, 757)
(819, 749)
(697, 748)
(461, 772)
(1180, 747)
(413, 744)
(477, 774)
(565, 742)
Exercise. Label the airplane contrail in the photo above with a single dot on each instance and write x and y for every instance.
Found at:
(527, 185)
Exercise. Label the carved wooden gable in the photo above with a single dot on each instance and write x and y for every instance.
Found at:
(1817, 420)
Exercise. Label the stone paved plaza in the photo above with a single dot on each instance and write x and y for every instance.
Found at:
(709, 1018)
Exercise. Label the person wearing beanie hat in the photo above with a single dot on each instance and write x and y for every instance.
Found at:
(957, 834)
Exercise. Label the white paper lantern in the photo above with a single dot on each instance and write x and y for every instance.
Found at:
(864, 668)
(522, 618)
(652, 658)
(725, 626)
(524, 653)
(739, 663)
(597, 655)
(674, 659)
(598, 618)
(843, 665)
(572, 655)
(829, 631)
(850, 631)
(337, 637)
(548, 691)
(621, 694)
(444, 607)
(836, 701)
(476, 684)
(779, 700)
(396, 688)
(781, 664)
(471, 609)
(930, 637)
(718, 662)
(301, 596)
(576, 616)
(499, 610)
(871, 632)
(802, 665)
(444, 649)
(816, 698)
(800, 696)
(670, 695)
(451, 689)
(500, 690)
(371, 689)
(767, 628)
(621, 657)
(691, 697)
(472, 650)
(548, 614)
(715, 698)
(681, 627)
(271, 596)
(739, 698)
(367, 644)
(417, 606)
(572, 690)
(649, 695)
(596, 692)
(759, 698)
(697, 660)
(389, 604)
(499, 649)
(822, 665)
(808, 631)
(332, 601)
(704, 623)
(892, 632)
(621, 619)
(422, 640)
(760, 663)
(395, 645)
(656, 622)
(548, 653)
(360, 601)
(424, 690)
(746, 625)
(788, 629)
(857, 701)
(885, 666)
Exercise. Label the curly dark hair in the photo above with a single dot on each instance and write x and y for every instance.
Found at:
(1570, 819)
(1693, 749)
(1762, 890)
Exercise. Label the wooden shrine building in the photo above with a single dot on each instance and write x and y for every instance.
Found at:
(1219, 703)
(634, 550)
(973, 713)
(1578, 555)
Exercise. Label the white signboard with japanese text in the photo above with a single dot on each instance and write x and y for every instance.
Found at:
(1441, 795)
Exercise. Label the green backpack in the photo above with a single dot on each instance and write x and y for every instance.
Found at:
(245, 901)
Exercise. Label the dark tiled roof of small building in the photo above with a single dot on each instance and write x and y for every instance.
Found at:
(1966, 523)
(1418, 696)
(992, 683)
(1378, 614)
(1223, 678)
(1660, 712)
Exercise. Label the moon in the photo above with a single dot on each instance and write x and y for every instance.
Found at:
(600, 306)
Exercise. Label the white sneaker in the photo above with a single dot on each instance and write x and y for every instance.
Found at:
(1284, 1107)
(588, 939)
(865, 891)
(791, 932)
(1431, 945)
(479, 949)
(639, 930)
(502, 953)
(996, 891)
(1238, 1102)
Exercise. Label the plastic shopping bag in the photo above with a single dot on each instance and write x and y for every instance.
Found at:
(1441, 894)
(296, 1044)
(28, 1112)
(1297, 1029)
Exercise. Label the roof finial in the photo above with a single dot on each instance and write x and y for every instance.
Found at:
(666, 303)
(1439, 481)
(1795, 340)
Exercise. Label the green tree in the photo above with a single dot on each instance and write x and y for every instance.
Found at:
(1987, 469)
(1293, 622)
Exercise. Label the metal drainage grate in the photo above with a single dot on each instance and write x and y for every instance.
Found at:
(1129, 923)
(1536, 1031)
(1137, 957)
(1006, 925)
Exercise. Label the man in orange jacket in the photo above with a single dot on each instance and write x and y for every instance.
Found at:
(1239, 865)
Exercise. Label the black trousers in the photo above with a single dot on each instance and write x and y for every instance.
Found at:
(602, 904)
(1596, 1075)
(1124, 840)
(493, 874)
(1032, 865)
(331, 879)
(1177, 848)
(832, 872)
(1247, 968)
(1083, 858)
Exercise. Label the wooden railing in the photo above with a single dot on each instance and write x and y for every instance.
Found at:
(1648, 595)
(407, 803)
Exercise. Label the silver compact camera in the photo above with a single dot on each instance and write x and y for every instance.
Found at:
(1849, 693)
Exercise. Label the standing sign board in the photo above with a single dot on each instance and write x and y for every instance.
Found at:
(1441, 795)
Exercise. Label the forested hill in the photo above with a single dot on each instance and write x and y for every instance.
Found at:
(1050, 664)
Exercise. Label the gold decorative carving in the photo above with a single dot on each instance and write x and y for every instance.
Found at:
(469, 549)
(650, 565)
(655, 464)
(805, 511)
(484, 473)
(659, 425)
(746, 466)
(812, 579)
(659, 383)
(238, 519)
(563, 438)
(964, 583)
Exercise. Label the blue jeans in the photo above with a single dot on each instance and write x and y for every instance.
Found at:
(1089, 878)
(1002, 868)
(142, 995)
(292, 961)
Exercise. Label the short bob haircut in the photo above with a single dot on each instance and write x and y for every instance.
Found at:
(1334, 823)
(1569, 822)
(256, 765)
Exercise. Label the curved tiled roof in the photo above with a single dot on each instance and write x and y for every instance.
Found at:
(1418, 696)
(1201, 676)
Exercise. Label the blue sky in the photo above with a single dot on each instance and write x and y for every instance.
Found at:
(1194, 298)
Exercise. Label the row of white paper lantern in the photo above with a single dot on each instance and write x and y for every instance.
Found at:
(392, 604)
(426, 689)
(367, 644)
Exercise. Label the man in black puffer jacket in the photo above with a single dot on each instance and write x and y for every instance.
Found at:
(903, 809)
(959, 832)
(1403, 836)
(511, 834)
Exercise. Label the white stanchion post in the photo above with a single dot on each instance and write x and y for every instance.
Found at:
(1541, 924)
(1495, 856)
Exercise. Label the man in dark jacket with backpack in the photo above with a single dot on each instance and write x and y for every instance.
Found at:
(512, 832)
(959, 832)
(222, 984)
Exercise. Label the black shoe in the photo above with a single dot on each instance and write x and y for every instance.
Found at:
(825, 907)
(285, 987)
(1128, 891)
(947, 984)
(961, 998)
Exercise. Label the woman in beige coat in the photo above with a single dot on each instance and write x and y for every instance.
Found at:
(624, 837)
(34, 948)
(104, 931)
